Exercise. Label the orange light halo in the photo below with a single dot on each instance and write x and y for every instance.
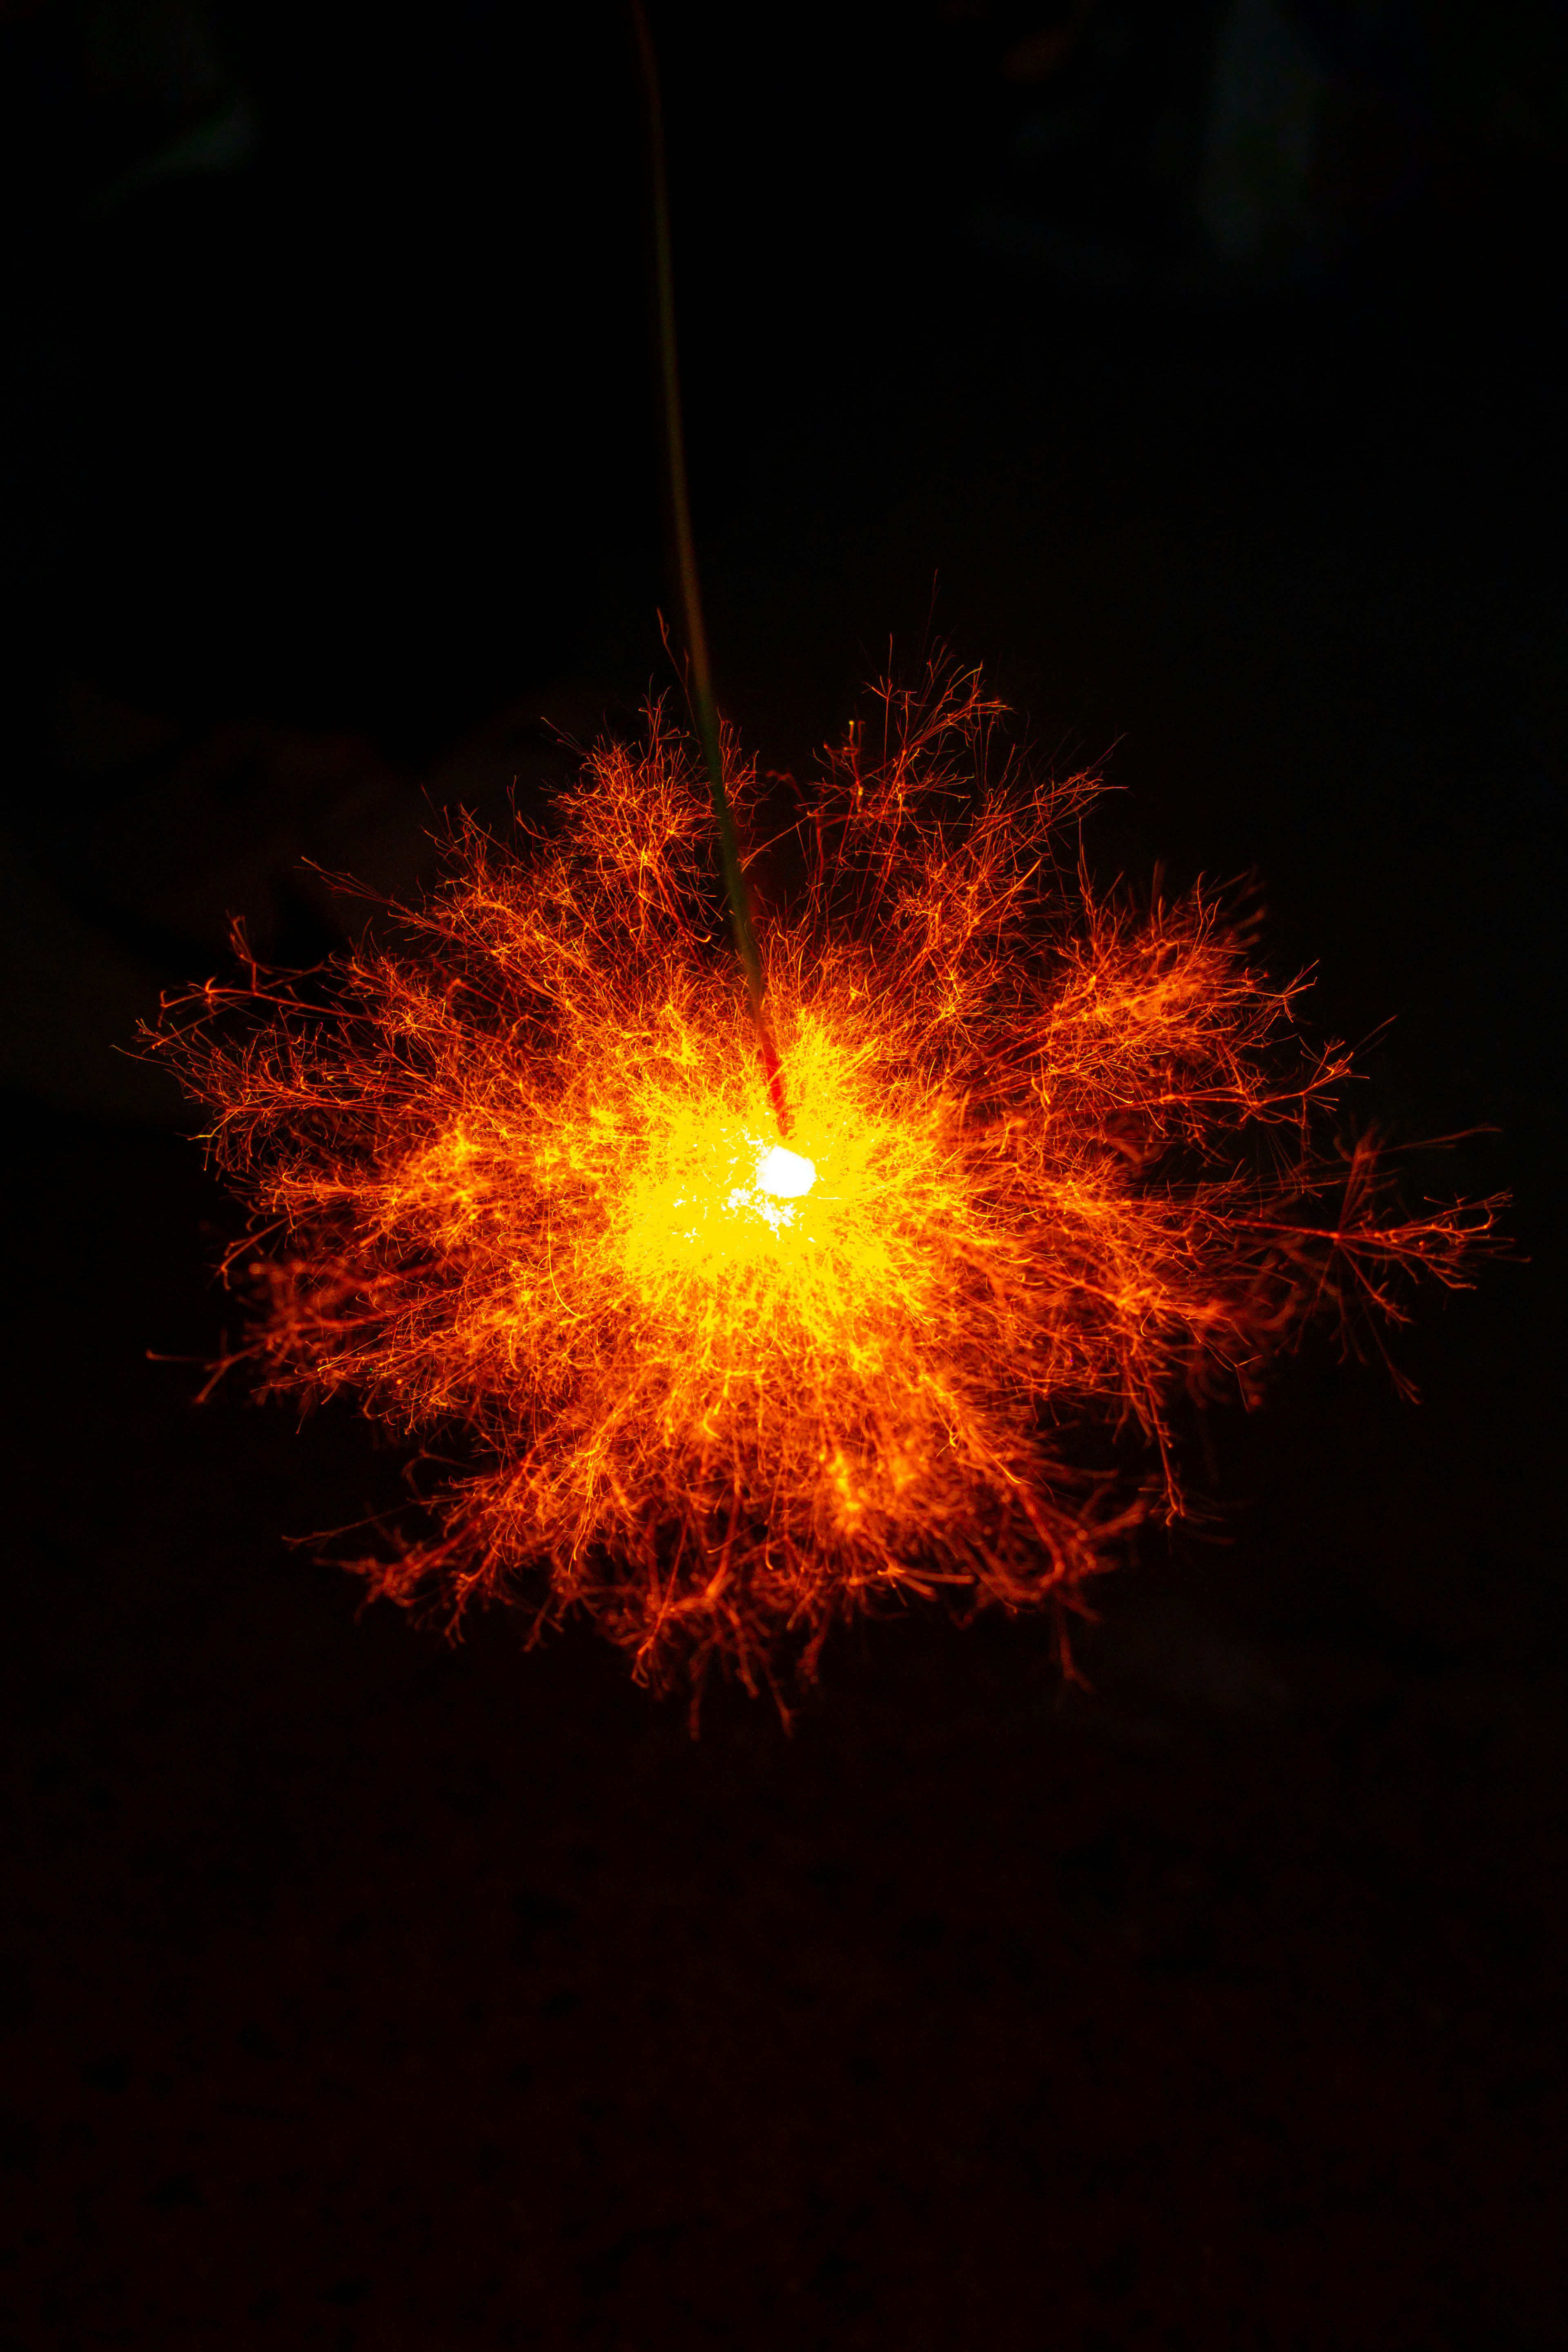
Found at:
(1048, 1166)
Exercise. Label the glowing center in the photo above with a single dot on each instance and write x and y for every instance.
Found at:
(780, 1178)
(785, 1173)
(724, 1197)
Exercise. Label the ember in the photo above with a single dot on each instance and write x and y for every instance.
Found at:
(1051, 1168)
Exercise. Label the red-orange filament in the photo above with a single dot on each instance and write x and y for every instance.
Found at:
(1049, 1165)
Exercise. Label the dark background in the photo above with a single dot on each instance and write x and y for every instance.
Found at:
(1195, 369)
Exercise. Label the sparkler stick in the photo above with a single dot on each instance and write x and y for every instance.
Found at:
(700, 677)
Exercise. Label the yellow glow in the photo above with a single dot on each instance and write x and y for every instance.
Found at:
(712, 1193)
(804, 1242)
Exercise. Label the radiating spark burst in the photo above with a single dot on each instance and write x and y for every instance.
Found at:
(517, 1182)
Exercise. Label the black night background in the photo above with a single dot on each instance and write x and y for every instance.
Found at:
(1197, 370)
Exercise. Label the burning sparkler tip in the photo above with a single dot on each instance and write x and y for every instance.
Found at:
(786, 1174)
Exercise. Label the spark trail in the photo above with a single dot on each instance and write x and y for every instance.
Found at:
(1053, 1166)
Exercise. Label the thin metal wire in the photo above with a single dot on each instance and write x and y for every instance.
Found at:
(699, 675)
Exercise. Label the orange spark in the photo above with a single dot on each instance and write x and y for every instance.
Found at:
(517, 1183)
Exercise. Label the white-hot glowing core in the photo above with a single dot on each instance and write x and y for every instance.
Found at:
(785, 1173)
(726, 1196)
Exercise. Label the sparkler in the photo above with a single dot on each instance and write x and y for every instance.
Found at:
(721, 1358)
(1051, 1166)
